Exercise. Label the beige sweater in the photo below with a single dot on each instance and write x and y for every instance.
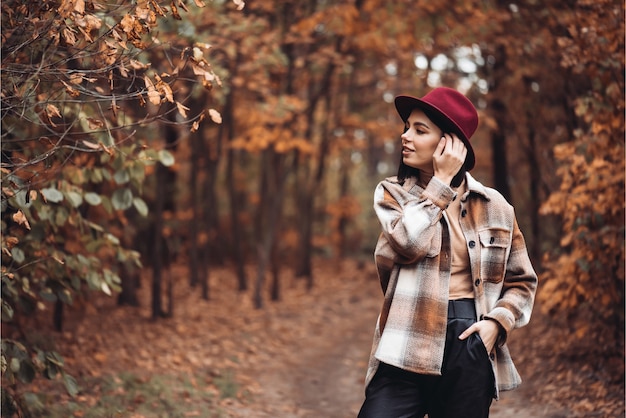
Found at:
(460, 273)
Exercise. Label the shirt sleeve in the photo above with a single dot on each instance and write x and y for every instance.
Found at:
(409, 222)
(514, 307)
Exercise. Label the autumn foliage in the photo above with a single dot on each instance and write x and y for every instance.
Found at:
(137, 135)
(73, 163)
(584, 278)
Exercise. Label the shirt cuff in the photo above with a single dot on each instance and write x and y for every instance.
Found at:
(439, 193)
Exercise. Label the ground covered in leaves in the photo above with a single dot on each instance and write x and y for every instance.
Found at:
(304, 356)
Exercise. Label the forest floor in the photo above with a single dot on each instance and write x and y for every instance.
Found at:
(304, 356)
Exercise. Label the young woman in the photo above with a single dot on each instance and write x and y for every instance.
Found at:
(454, 270)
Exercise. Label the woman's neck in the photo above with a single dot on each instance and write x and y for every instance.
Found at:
(424, 178)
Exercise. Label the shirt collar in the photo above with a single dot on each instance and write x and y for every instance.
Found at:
(474, 186)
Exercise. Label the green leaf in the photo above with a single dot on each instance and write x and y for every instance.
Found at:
(122, 199)
(95, 226)
(18, 255)
(111, 277)
(7, 312)
(21, 199)
(121, 176)
(138, 171)
(65, 296)
(106, 204)
(45, 213)
(27, 371)
(52, 195)
(148, 156)
(112, 239)
(61, 216)
(105, 288)
(33, 402)
(96, 175)
(75, 280)
(141, 206)
(70, 385)
(93, 280)
(83, 260)
(93, 198)
(54, 358)
(166, 158)
(74, 198)
(51, 371)
(14, 365)
(46, 294)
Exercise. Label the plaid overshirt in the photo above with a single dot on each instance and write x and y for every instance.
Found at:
(413, 257)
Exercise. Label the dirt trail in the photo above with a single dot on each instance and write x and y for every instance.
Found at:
(322, 374)
(306, 355)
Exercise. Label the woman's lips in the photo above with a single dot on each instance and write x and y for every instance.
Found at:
(406, 151)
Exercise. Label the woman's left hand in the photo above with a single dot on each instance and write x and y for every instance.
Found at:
(488, 330)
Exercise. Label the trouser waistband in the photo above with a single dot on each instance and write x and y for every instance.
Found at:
(462, 308)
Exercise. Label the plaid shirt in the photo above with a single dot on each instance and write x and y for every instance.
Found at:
(413, 257)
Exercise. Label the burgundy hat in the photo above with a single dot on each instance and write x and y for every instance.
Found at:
(450, 105)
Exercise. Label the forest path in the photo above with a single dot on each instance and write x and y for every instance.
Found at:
(321, 375)
(304, 356)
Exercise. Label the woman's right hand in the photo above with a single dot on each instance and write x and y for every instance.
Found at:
(449, 157)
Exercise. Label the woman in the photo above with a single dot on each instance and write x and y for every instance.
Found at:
(454, 269)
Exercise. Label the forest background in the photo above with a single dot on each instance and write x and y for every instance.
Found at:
(141, 137)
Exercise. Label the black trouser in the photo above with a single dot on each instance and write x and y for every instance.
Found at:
(465, 388)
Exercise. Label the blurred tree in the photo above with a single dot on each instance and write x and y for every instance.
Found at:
(75, 77)
(584, 278)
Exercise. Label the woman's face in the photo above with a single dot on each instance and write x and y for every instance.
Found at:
(420, 141)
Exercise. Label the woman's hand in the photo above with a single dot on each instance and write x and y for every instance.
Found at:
(488, 329)
(449, 157)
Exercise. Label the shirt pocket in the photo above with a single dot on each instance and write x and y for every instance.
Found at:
(495, 244)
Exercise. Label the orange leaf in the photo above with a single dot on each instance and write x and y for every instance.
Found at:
(21, 219)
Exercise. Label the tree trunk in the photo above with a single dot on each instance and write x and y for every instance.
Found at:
(58, 315)
(238, 250)
(307, 198)
(262, 228)
(275, 262)
(161, 252)
(157, 244)
(130, 284)
(498, 147)
(535, 198)
(212, 248)
(194, 263)
(272, 191)
(498, 137)
(344, 219)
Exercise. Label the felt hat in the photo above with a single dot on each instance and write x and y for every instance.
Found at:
(448, 105)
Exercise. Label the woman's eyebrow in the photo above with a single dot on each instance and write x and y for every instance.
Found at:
(418, 123)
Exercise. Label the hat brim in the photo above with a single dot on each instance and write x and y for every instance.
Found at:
(406, 104)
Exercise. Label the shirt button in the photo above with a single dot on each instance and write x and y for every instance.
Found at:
(463, 213)
(477, 282)
(472, 244)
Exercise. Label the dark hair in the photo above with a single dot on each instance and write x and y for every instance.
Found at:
(404, 171)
